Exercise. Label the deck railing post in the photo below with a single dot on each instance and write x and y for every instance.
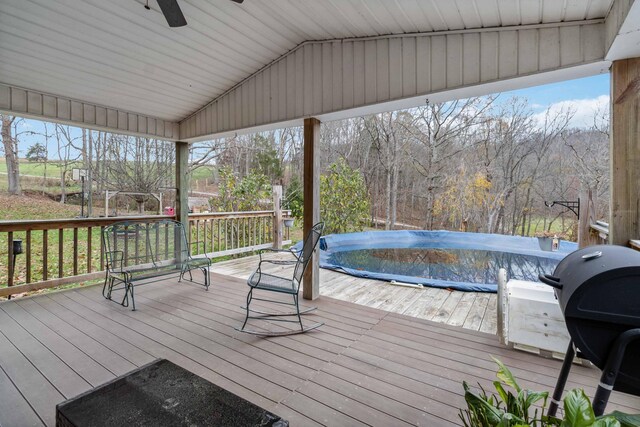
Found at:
(624, 152)
(182, 188)
(311, 185)
(277, 217)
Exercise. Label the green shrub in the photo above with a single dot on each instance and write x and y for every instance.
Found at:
(251, 193)
(344, 200)
(293, 198)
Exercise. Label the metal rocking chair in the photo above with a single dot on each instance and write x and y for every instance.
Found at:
(262, 281)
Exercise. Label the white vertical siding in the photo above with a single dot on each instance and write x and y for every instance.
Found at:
(324, 77)
(30, 103)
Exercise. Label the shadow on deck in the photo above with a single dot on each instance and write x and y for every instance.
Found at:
(364, 366)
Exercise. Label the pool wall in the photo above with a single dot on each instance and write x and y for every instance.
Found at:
(432, 239)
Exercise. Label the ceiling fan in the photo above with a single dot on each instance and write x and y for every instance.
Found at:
(172, 13)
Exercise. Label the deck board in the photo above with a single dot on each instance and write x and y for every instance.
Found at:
(14, 407)
(29, 382)
(467, 309)
(88, 369)
(365, 366)
(53, 367)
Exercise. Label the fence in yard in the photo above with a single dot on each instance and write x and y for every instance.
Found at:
(52, 253)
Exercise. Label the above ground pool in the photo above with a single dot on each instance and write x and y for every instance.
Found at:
(444, 259)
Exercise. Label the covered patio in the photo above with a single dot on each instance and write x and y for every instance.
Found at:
(363, 367)
(264, 64)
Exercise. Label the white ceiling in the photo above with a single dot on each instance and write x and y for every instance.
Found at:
(118, 54)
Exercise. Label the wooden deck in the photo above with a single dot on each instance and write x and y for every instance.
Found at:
(470, 310)
(363, 367)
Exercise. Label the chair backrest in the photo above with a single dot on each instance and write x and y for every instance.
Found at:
(308, 246)
(140, 242)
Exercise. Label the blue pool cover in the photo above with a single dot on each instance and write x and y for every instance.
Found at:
(352, 253)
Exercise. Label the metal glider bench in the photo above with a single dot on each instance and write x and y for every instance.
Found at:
(138, 252)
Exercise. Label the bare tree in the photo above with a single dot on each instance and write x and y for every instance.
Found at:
(139, 165)
(10, 145)
(445, 131)
(68, 153)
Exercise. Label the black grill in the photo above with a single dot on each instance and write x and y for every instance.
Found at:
(598, 289)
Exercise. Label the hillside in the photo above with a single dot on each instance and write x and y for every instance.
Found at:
(34, 206)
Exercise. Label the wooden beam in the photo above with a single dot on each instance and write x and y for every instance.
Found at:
(624, 223)
(311, 282)
(182, 183)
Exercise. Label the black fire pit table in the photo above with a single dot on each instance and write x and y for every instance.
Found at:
(162, 394)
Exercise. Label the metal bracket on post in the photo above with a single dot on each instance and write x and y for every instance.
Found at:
(572, 205)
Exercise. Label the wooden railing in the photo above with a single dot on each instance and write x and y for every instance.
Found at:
(227, 233)
(60, 252)
(598, 233)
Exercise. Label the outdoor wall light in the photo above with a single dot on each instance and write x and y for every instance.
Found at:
(17, 250)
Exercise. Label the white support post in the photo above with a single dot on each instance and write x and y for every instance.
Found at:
(277, 217)
(503, 307)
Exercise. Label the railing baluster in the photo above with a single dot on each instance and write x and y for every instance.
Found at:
(89, 254)
(45, 254)
(10, 258)
(60, 253)
(137, 247)
(101, 248)
(197, 236)
(157, 229)
(212, 242)
(28, 261)
(218, 222)
(204, 237)
(125, 242)
(75, 251)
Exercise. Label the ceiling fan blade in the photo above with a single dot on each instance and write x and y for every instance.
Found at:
(172, 13)
(238, 1)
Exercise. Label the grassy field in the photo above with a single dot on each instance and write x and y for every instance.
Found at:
(32, 176)
(54, 169)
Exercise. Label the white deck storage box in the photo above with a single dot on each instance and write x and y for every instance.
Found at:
(534, 317)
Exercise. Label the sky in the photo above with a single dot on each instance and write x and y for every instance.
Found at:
(583, 96)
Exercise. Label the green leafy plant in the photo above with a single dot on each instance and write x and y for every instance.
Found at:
(344, 200)
(513, 406)
(253, 192)
(293, 198)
